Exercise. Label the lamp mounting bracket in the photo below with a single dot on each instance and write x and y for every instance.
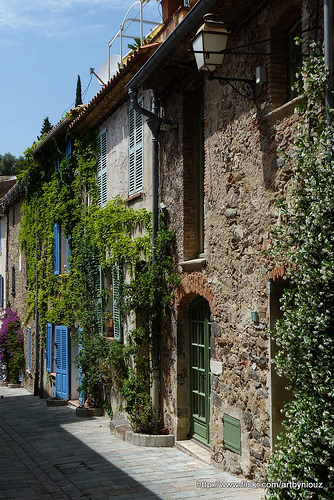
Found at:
(247, 85)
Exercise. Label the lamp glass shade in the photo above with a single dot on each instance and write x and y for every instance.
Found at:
(211, 37)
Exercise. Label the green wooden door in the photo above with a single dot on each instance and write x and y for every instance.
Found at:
(200, 370)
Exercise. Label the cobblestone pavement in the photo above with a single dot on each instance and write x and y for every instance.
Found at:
(49, 453)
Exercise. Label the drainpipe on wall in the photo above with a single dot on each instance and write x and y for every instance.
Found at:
(328, 48)
(154, 122)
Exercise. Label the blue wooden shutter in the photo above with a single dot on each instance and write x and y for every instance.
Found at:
(1, 290)
(48, 352)
(57, 165)
(136, 150)
(28, 349)
(56, 248)
(62, 362)
(68, 147)
(116, 281)
(102, 178)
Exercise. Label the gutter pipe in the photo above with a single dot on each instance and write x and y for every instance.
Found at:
(328, 48)
(190, 22)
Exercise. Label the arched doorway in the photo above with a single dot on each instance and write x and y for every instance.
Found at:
(200, 332)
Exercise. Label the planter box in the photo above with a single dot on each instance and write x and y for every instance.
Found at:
(56, 402)
(125, 433)
(89, 412)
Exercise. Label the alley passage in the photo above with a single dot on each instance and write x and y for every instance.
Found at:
(49, 453)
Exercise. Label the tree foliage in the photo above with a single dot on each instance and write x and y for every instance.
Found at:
(46, 127)
(9, 164)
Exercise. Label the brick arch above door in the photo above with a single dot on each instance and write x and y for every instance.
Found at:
(193, 284)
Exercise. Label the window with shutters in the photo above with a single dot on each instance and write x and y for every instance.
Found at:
(116, 295)
(102, 177)
(136, 151)
(0, 236)
(28, 349)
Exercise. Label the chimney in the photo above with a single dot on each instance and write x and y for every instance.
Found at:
(169, 7)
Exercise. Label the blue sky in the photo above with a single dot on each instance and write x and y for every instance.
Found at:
(44, 46)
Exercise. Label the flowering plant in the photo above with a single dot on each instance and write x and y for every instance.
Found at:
(11, 344)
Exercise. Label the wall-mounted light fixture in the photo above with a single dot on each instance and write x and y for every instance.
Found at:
(209, 47)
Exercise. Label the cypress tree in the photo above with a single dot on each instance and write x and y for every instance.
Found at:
(78, 95)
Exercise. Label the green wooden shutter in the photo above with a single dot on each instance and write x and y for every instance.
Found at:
(102, 179)
(28, 349)
(100, 302)
(232, 433)
(49, 348)
(116, 281)
(136, 150)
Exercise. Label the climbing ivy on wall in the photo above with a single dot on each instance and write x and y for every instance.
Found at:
(99, 238)
(304, 242)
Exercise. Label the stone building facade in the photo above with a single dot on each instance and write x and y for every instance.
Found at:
(15, 281)
(222, 169)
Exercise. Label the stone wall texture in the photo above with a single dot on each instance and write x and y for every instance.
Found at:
(17, 294)
(246, 172)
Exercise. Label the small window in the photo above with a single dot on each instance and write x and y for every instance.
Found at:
(28, 349)
(56, 248)
(136, 150)
(68, 254)
(295, 60)
(102, 176)
(69, 147)
(232, 433)
(13, 280)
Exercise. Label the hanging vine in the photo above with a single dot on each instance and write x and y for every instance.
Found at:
(305, 453)
(99, 239)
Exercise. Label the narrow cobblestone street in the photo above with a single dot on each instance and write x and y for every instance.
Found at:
(49, 453)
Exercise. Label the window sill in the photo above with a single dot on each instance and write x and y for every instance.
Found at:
(194, 264)
(134, 197)
(285, 110)
(110, 339)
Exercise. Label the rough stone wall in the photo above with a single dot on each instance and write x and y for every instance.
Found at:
(246, 172)
(17, 295)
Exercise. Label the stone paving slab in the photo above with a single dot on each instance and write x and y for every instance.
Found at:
(49, 453)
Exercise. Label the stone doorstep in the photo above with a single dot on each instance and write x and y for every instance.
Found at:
(194, 449)
(14, 386)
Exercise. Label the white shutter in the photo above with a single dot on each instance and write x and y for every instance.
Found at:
(136, 150)
(102, 176)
